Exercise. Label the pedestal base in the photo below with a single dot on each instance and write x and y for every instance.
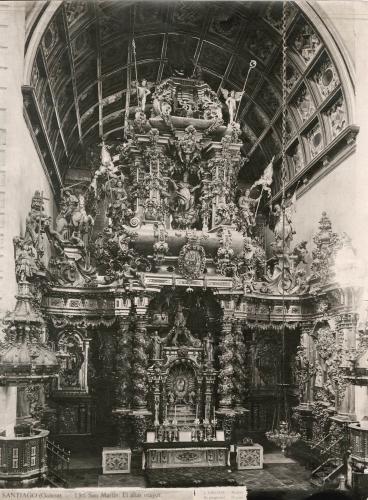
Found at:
(249, 457)
(116, 460)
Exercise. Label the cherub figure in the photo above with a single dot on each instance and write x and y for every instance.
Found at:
(231, 100)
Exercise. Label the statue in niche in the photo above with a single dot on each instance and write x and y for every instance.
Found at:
(69, 374)
(247, 206)
(156, 343)
(231, 100)
(179, 332)
(188, 147)
(183, 194)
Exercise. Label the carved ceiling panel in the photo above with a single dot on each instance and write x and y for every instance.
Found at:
(325, 76)
(84, 43)
(315, 140)
(238, 73)
(85, 51)
(226, 24)
(218, 58)
(189, 14)
(337, 117)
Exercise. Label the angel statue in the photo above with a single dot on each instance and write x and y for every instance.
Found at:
(231, 98)
(143, 91)
(266, 179)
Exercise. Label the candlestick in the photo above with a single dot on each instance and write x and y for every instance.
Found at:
(175, 412)
(197, 411)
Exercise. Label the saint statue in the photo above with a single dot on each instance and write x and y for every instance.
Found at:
(283, 227)
(156, 341)
(156, 105)
(35, 221)
(182, 194)
(247, 206)
(180, 330)
(208, 348)
(25, 260)
(231, 99)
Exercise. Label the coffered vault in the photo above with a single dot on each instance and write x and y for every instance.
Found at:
(77, 71)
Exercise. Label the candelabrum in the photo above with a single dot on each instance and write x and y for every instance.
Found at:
(282, 436)
(166, 425)
(160, 434)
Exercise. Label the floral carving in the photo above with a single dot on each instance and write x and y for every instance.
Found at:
(326, 77)
(337, 117)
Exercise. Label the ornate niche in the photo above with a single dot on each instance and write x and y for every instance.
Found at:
(73, 351)
(182, 373)
(181, 387)
(329, 382)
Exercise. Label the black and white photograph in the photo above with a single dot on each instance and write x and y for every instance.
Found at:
(184, 249)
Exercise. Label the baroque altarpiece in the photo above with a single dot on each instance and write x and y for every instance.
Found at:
(159, 298)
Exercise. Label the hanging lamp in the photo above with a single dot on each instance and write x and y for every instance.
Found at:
(282, 434)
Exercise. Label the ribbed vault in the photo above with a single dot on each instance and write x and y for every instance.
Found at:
(76, 93)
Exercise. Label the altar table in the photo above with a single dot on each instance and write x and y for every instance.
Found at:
(172, 455)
